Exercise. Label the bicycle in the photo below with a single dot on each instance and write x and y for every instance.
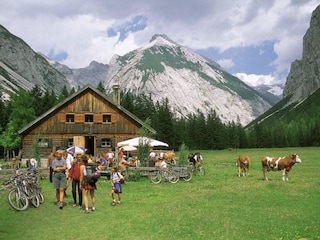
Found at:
(197, 169)
(25, 191)
(32, 181)
(16, 197)
(184, 172)
(168, 175)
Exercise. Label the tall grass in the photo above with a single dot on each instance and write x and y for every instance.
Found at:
(219, 205)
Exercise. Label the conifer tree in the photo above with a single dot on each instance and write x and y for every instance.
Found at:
(22, 112)
(101, 88)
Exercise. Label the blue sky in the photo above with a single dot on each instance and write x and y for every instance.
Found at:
(256, 40)
(250, 59)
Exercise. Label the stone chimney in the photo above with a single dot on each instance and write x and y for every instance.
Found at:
(116, 94)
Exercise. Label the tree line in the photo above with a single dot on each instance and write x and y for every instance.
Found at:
(195, 131)
(298, 127)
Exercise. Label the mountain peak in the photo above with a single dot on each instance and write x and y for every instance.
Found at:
(160, 39)
(161, 36)
(164, 69)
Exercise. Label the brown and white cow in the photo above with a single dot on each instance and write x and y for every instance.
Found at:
(243, 163)
(169, 157)
(279, 163)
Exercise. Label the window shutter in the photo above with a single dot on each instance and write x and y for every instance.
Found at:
(99, 142)
(62, 117)
(65, 143)
(114, 117)
(79, 118)
(97, 118)
(49, 142)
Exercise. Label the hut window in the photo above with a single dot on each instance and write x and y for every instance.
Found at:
(106, 118)
(43, 142)
(105, 142)
(88, 118)
(70, 142)
(70, 118)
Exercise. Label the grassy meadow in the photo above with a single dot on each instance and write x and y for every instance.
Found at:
(219, 205)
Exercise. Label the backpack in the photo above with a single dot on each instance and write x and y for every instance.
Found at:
(75, 171)
(92, 174)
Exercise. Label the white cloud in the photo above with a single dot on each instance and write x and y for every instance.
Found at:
(255, 80)
(225, 63)
(79, 27)
(287, 52)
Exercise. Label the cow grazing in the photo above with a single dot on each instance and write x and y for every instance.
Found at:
(281, 163)
(243, 163)
(169, 157)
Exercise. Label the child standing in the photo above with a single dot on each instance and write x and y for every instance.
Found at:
(115, 178)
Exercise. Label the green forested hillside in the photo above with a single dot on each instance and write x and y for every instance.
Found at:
(294, 125)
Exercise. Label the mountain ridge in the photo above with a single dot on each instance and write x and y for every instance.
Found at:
(161, 55)
(164, 69)
(24, 67)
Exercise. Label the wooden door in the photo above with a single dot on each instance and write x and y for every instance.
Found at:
(79, 141)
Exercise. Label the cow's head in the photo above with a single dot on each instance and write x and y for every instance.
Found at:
(296, 158)
(190, 155)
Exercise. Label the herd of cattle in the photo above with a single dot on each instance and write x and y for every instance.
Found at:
(283, 164)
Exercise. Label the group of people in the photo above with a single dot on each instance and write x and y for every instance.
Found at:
(156, 160)
(123, 160)
(65, 168)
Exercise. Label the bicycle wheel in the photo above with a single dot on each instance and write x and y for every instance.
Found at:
(40, 196)
(17, 199)
(173, 177)
(201, 171)
(35, 201)
(156, 178)
(32, 193)
(193, 169)
(39, 193)
(188, 176)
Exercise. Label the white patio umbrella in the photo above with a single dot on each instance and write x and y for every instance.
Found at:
(142, 141)
(128, 148)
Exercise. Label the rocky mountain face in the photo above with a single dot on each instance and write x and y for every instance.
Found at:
(92, 74)
(21, 67)
(304, 76)
(301, 92)
(165, 69)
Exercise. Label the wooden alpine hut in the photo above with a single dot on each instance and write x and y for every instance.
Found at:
(87, 119)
